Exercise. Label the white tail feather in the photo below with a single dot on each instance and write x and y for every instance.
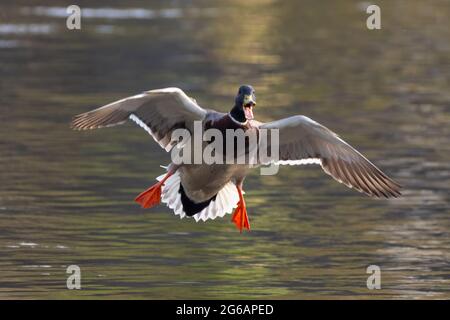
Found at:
(226, 200)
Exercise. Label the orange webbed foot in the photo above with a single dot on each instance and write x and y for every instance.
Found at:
(152, 196)
(240, 217)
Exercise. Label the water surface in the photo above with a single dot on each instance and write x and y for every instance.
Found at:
(67, 197)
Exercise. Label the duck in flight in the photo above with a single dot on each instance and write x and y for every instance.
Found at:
(206, 191)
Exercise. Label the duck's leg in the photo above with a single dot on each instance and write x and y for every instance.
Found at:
(240, 217)
(152, 196)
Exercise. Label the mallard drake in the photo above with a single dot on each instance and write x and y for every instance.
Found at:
(207, 191)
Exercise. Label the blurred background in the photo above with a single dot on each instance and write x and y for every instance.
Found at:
(67, 197)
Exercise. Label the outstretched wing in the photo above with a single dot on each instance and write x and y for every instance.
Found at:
(159, 112)
(304, 141)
